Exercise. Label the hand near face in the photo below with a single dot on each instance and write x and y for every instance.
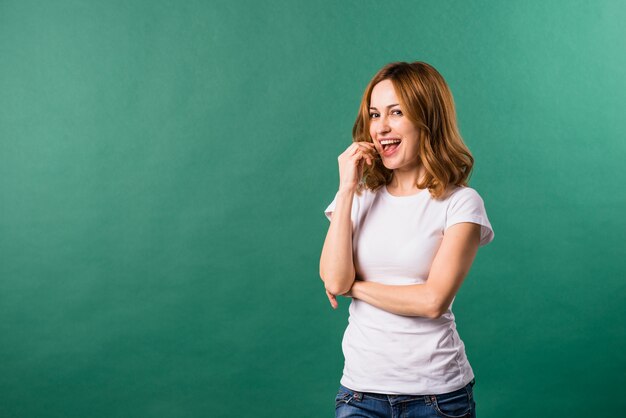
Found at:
(351, 164)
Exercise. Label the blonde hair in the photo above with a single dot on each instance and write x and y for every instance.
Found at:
(426, 100)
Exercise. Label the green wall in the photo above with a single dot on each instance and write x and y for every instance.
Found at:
(164, 167)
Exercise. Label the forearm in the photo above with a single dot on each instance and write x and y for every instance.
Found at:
(336, 262)
(408, 300)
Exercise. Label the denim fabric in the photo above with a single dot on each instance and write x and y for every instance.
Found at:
(457, 404)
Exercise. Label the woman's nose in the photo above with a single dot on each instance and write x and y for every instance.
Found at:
(383, 125)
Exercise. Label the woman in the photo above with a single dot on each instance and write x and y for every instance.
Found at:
(404, 231)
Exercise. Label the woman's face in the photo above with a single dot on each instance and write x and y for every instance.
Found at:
(395, 136)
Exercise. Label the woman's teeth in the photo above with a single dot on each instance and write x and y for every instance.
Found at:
(387, 142)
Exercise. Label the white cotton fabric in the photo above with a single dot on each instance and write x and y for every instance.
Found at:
(395, 240)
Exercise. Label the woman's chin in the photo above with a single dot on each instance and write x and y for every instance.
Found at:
(400, 164)
(389, 165)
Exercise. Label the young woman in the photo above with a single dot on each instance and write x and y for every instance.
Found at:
(404, 231)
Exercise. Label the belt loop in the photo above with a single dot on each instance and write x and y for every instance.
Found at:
(469, 389)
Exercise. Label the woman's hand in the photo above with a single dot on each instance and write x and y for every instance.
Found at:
(351, 164)
(333, 299)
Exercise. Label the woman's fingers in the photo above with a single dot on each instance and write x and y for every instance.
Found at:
(351, 163)
(356, 145)
(358, 149)
(332, 299)
(366, 154)
(369, 151)
(365, 145)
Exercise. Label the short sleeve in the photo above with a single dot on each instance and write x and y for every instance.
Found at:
(353, 215)
(466, 205)
(331, 208)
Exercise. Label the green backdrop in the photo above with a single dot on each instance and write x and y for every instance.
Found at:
(164, 166)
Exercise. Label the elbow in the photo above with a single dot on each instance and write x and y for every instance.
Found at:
(435, 312)
(336, 285)
(337, 282)
(435, 307)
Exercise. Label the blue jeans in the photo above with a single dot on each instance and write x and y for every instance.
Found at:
(457, 404)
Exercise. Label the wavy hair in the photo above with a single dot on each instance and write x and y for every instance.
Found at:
(427, 101)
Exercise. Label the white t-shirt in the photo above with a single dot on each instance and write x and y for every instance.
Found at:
(395, 240)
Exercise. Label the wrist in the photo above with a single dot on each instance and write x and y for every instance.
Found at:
(356, 286)
(348, 191)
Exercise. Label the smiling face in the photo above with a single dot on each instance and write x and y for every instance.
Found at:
(395, 136)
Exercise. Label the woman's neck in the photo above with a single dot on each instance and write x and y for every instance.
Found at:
(405, 182)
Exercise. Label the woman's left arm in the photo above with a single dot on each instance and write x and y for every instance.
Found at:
(433, 298)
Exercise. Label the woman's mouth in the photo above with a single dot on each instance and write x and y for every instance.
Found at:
(389, 146)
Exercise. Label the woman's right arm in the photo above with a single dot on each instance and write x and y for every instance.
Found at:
(336, 263)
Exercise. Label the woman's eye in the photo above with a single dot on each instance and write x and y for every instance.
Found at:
(397, 112)
(374, 115)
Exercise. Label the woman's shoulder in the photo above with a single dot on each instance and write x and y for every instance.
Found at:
(464, 199)
(455, 193)
(466, 205)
